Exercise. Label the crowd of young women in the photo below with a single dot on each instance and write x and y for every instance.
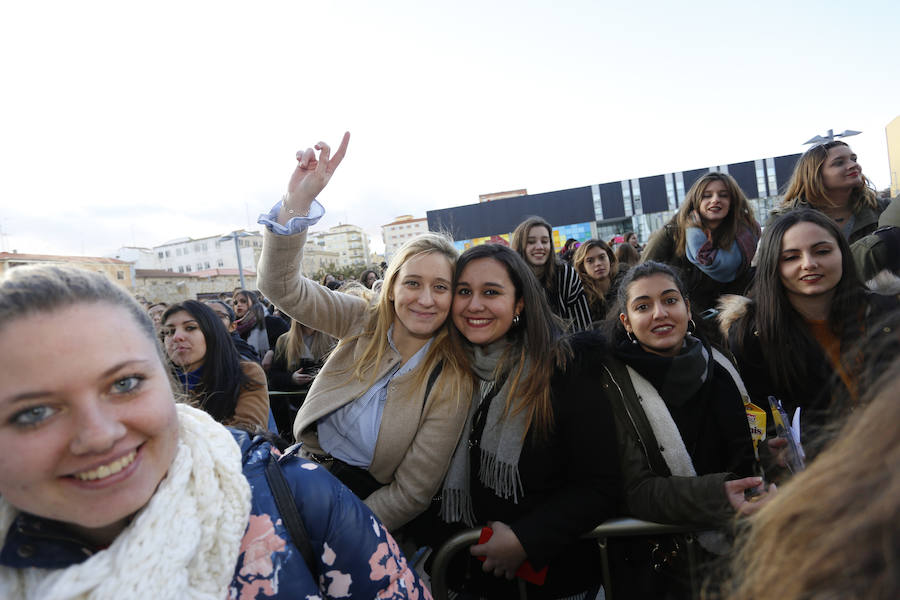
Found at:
(456, 397)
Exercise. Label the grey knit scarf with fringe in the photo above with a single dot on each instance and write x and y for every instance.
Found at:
(501, 442)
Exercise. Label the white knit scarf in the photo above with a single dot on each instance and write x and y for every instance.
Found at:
(183, 544)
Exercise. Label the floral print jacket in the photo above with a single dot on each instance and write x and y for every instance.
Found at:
(355, 555)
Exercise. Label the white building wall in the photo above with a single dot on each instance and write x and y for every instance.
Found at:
(399, 232)
(350, 243)
(141, 258)
(192, 255)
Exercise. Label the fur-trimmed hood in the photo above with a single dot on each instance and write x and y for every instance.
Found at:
(886, 283)
(732, 308)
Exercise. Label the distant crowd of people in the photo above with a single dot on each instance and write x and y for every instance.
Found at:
(304, 440)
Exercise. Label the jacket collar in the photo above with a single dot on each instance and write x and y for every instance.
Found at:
(42, 543)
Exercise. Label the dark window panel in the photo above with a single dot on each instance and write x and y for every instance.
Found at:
(611, 199)
(745, 174)
(653, 194)
(691, 176)
(784, 168)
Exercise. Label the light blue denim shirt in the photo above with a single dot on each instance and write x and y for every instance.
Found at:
(295, 224)
(349, 433)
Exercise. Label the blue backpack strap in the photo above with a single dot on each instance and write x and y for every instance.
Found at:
(287, 507)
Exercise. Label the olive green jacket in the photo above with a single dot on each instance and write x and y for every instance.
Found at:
(652, 493)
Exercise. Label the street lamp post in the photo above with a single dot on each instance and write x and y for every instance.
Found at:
(234, 235)
(829, 137)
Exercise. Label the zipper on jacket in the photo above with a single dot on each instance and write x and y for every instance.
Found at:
(628, 412)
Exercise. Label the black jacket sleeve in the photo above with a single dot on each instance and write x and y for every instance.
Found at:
(584, 442)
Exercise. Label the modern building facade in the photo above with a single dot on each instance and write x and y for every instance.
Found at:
(605, 210)
(396, 233)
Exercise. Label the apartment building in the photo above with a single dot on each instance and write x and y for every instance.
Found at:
(399, 231)
(189, 255)
(350, 243)
(317, 258)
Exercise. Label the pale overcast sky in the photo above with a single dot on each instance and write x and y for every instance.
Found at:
(125, 123)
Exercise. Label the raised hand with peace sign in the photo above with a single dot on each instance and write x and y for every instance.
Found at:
(310, 178)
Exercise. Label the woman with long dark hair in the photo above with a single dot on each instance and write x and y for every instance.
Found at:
(711, 240)
(806, 308)
(368, 278)
(207, 365)
(598, 268)
(251, 320)
(534, 461)
(683, 436)
(533, 240)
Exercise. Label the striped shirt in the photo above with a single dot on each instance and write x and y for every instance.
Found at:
(569, 301)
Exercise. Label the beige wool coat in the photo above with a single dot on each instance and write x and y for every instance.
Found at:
(416, 438)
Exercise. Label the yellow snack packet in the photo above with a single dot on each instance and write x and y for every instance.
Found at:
(756, 418)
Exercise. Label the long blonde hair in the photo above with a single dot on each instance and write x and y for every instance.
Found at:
(806, 183)
(293, 348)
(381, 314)
(833, 531)
(739, 213)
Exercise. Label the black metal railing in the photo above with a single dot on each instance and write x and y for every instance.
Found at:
(613, 528)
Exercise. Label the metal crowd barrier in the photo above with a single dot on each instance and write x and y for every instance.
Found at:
(299, 394)
(610, 529)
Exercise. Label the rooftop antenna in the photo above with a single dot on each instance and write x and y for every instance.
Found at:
(829, 137)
